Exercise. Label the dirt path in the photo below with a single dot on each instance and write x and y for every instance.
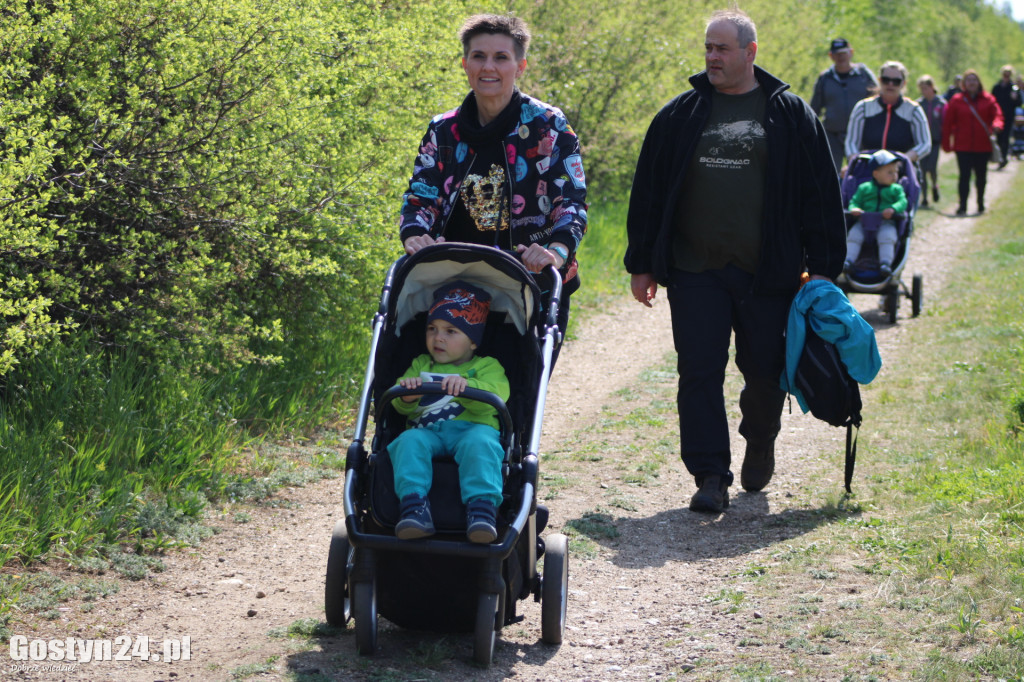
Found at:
(650, 602)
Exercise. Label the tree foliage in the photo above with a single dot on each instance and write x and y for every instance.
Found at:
(610, 66)
(211, 182)
(215, 183)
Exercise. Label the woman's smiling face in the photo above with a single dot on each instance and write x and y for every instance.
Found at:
(491, 66)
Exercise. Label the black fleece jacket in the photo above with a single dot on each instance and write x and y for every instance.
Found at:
(803, 224)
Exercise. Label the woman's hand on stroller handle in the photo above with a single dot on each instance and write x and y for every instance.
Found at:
(414, 244)
(536, 257)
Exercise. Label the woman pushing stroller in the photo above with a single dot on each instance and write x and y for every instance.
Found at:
(503, 169)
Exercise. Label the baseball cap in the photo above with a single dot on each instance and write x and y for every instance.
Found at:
(838, 45)
(883, 157)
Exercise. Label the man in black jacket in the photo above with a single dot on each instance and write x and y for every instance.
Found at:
(734, 196)
(1007, 94)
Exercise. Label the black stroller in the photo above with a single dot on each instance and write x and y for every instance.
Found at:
(865, 276)
(446, 583)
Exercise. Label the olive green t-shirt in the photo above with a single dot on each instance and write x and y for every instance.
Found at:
(718, 214)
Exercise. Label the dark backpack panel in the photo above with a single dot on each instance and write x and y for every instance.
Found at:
(831, 394)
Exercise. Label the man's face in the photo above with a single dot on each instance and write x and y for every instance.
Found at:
(728, 64)
(842, 59)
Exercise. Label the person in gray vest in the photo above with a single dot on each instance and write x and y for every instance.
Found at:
(839, 88)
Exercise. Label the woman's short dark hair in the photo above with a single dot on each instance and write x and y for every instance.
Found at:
(502, 24)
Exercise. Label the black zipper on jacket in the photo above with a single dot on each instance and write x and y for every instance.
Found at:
(451, 210)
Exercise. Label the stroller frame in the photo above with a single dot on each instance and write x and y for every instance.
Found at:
(356, 551)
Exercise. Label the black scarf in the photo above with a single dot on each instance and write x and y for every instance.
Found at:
(474, 134)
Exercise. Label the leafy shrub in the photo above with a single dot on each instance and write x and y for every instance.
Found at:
(210, 182)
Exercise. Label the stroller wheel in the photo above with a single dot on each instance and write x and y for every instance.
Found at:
(917, 294)
(486, 627)
(555, 589)
(892, 304)
(337, 605)
(364, 610)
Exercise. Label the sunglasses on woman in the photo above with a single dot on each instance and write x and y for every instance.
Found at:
(886, 80)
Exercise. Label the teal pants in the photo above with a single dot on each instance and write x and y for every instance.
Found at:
(476, 448)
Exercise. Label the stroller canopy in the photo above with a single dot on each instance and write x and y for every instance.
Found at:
(511, 286)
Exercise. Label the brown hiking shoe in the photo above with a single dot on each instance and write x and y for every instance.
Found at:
(758, 466)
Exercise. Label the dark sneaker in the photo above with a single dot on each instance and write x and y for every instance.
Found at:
(962, 210)
(711, 496)
(481, 521)
(981, 208)
(935, 194)
(416, 521)
(758, 466)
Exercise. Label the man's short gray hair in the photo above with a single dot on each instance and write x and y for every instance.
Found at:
(746, 30)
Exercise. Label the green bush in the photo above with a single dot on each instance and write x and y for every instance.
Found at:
(199, 206)
(212, 183)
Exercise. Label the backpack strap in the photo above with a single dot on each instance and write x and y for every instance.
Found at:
(851, 453)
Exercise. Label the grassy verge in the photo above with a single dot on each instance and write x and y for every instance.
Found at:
(107, 461)
(934, 558)
(604, 280)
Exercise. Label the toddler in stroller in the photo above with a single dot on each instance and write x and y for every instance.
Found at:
(443, 574)
(444, 424)
(1017, 148)
(868, 249)
(881, 194)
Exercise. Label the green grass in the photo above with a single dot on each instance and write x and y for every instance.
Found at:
(960, 486)
(604, 280)
(936, 525)
(107, 460)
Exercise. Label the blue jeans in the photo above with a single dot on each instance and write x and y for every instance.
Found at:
(706, 308)
(476, 448)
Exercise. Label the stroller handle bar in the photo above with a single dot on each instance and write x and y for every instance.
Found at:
(897, 215)
(434, 388)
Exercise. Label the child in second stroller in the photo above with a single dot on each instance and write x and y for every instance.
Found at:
(446, 425)
(882, 194)
(1017, 147)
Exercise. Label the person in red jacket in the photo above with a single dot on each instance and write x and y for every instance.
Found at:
(972, 116)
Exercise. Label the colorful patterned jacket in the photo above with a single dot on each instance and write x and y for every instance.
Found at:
(548, 187)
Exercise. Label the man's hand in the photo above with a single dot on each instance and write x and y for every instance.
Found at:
(644, 288)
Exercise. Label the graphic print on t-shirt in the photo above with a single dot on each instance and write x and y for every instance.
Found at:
(730, 145)
(484, 198)
(434, 408)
